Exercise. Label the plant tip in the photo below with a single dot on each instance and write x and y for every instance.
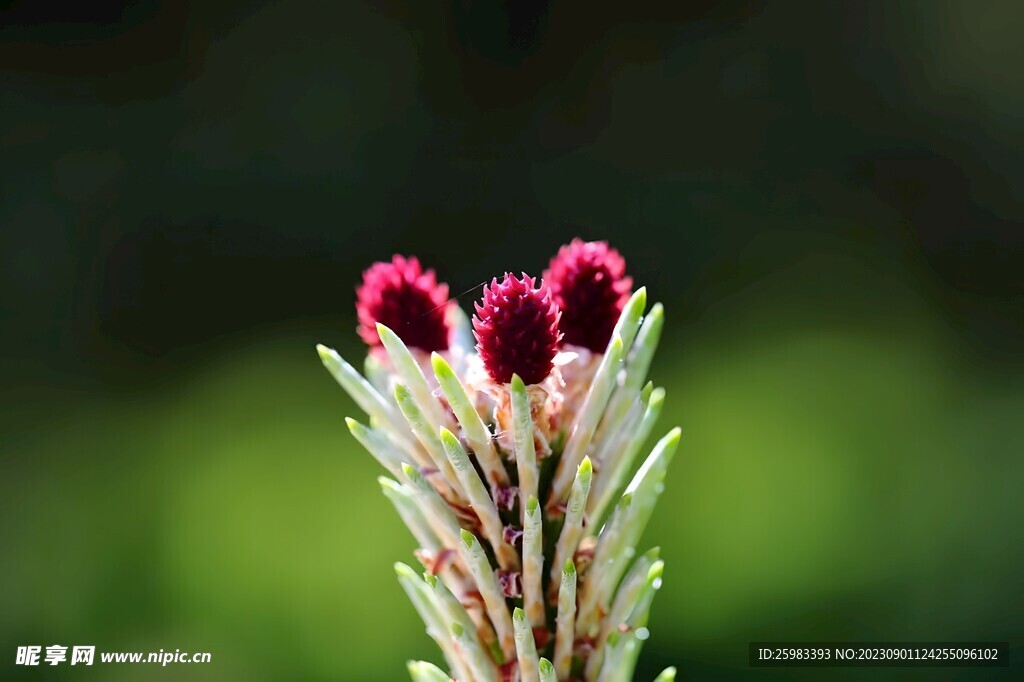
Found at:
(467, 537)
(439, 364)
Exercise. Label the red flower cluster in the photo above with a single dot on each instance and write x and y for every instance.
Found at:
(519, 324)
(516, 329)
(408, 300)
(589, 283)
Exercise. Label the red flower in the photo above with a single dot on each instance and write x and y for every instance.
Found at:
(516, 329)
(408, 300)
(589, 283)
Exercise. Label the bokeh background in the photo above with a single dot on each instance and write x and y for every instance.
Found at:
(826, 196)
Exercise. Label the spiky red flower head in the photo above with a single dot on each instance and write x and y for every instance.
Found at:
(405, 298)
(516, 329)
(590, 286)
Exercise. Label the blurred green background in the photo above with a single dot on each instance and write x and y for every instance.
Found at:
(826, 196)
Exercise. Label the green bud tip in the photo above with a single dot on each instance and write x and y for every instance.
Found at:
(585, 470)
(353, 425)
(645, 392)
(616, 348)
(430, 579)
(325, 353)
(532, 505)
(569, 568)
(639, 299)
(448, 438)
(410, 472)
(673, 436)
(387, 336)
(402, 394)
(467, 537)
(439, 364)
(656, 570)
(518, 614)
(517, 383)
(546, 666)
(421, 670)
(403, 571)
(657, 396)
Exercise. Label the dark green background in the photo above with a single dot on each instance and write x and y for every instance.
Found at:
(826, 196)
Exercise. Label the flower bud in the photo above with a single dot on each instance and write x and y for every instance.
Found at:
(406, 299)
(589, 284)
(516, 328)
